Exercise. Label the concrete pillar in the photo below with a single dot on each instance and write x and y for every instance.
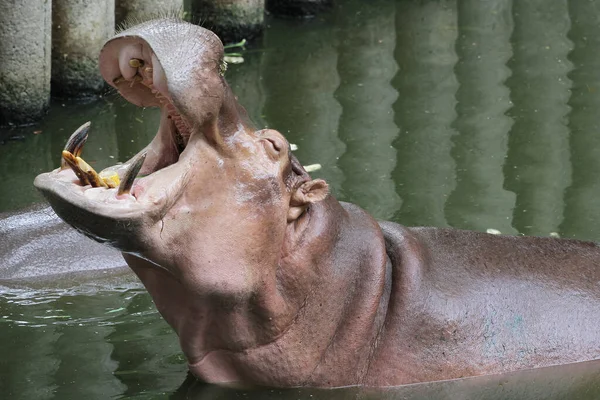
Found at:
(538, 166)
(232, 20)
(425, 175)
(25, 31)
(79, 30)
(480, 201)
(366, 67)
(142, 10)
(299, 8)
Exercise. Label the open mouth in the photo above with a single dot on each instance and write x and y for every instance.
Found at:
(119, 186)
(116, 204)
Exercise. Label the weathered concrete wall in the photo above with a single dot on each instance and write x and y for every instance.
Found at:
(142, 10)
(300, 8)
(25, 28)
(232, 20)
(79, 29)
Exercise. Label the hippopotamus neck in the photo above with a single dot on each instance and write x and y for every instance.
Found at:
(330, 290)
(336, 275)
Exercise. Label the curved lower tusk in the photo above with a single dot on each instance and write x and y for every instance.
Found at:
(131, 174)
(75, 143)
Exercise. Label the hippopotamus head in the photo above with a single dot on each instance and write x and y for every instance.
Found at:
(212, 186)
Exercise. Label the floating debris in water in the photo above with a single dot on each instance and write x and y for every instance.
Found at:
(554, 235)
(233, 59)
(115, 310)
(493, 231)
(53, 316)
(293, 147)
(241, 44)
(315, 167)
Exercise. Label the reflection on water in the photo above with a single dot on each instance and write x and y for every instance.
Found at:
(582, 218)
(469, 114)
(299, 87)
(97, 341)
(427, 85)
(366, 67)
(480, 146)
(538, 168)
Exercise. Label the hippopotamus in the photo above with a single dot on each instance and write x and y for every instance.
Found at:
(268, 279)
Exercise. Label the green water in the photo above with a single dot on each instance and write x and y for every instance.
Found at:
(471, 114)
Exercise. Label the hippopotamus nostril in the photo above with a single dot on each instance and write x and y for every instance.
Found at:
(276, 145)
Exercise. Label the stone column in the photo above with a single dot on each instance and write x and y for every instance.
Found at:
(143, 10)
(299, 8)
(232, 20)
(79, 30)
(25, 31)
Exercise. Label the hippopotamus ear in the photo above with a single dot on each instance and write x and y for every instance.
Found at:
(305, 194)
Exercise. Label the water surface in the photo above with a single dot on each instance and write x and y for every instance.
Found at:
(470, 114)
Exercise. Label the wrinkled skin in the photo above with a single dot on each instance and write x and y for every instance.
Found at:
(267, 279)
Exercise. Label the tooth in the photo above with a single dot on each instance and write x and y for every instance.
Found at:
(72, 162)
(136, 63)
(131, 173)
(75, 143)
(91, 175)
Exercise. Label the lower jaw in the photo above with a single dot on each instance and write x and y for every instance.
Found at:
(117, 232)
